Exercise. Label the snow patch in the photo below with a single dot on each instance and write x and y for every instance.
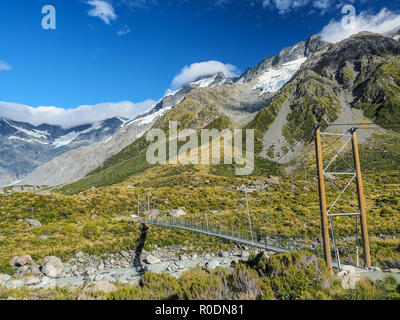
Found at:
(27, 140)
(275, 78)
(71, 136)
(33, 133)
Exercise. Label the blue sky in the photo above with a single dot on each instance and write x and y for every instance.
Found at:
(135, 53)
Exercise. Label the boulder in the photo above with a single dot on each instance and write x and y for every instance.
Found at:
(245, 254)
(20, 261)
(175, 213)
(33, 223)
(150, 259)
(212, 264)
(100, 286)
(52, 267)
(262, 256)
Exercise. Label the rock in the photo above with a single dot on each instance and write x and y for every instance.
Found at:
(42, 238)
(79, 255)
(212, 264)
(240, 205)
(4, 279)
(100, 266)
(19, 261)
(52, 267)
(306, 189)
(130, 187)
(125, 254)
(273, 180)
(100, 286)
(394, 271)
(150, 259)
(245, 254)
(329, 177)
(33, 223)
(262, 256)
(223, 254)
(11, 298)
(180, 265)
(183, 257)
(23, 270)
(177, 212)
(30, 281)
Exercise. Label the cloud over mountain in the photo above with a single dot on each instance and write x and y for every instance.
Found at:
(200, 69)
(382, 22)
(72, 117)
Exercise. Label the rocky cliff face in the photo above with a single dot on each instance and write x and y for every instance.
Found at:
(343, 82)
(300, 50)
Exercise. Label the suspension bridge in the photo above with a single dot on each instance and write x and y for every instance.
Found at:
(279, 244)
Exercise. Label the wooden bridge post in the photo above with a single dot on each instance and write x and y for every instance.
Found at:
(361, 201)
(148, 205)
(322, 200)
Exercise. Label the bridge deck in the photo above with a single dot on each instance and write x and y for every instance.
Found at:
(228, 236)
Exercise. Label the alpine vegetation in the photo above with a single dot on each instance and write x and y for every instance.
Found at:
(194, 153)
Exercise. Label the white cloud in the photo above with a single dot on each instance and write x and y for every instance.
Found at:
(4, 66)
(321, 6)
(103, 10)
(73, 117)
(125, 30)
(196, 70)
(382, 22)
(136, 4)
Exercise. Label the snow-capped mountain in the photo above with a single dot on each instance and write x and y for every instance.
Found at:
(239, 98)
(24, 146)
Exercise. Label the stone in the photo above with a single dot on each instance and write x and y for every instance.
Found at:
(52, 266)
(125, 254)
(20, 261)
(394, 271)
(100, 266)
(79, 254)
(100, 286)
(183, 257)
(11, 298)
(30, 281)
(273, 180)
(245, 254)
(329, 177)
(4, 279)
(223, 254)
(175, 213)
(212, 264)
(262, 256)
(33, 223)
(42, 238)
(150, 259)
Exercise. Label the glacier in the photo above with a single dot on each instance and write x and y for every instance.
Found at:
(272, 80)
